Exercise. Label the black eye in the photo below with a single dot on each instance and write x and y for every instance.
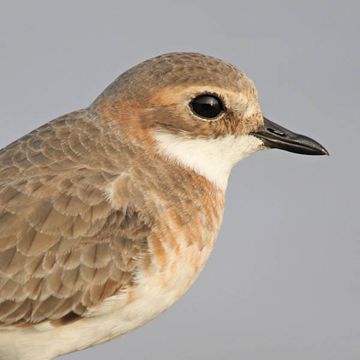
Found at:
(207, 106)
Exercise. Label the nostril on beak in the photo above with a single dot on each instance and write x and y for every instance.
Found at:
(276, 132)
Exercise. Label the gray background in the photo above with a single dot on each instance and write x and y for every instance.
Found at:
(283, 281)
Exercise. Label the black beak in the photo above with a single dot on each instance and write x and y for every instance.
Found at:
(275, 136)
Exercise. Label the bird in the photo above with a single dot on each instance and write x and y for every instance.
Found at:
(109, 213)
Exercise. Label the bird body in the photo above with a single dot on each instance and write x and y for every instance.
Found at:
(71, 267)
(108, 214)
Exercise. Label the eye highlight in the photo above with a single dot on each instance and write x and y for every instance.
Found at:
(207, 106)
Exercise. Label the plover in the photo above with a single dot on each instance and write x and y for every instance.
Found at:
(108, 214)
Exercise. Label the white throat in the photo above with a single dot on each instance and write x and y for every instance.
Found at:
(211, 158)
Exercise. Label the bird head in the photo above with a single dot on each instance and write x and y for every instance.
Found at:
(197, 111)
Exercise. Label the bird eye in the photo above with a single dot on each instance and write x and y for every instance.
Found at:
(207, 106)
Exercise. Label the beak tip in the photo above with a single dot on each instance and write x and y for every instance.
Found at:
(322, 151)
(325, 152)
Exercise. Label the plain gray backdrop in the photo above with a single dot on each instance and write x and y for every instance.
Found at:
(284, 279)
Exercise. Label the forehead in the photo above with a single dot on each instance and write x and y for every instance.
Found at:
(178, 70)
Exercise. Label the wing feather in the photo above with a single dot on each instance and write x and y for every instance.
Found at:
(63, 247)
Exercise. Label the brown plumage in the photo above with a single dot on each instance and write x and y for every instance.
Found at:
(108, 214)
(63, 246)
(61, 241)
